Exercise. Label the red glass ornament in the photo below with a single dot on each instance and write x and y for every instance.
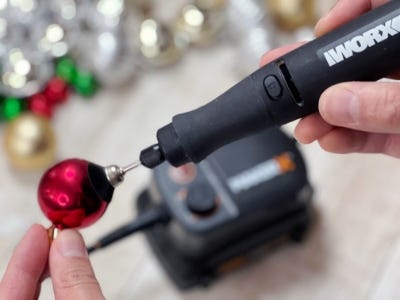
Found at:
(56, 91)
(67, 196)
(40, 105)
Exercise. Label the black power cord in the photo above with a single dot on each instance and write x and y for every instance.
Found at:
(147, 219)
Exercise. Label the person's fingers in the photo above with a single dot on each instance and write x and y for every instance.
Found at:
(311, 128)
(70, 269)
(278, 52)
(25, 268)
(344, 11)
(343, 140)
(365, 106)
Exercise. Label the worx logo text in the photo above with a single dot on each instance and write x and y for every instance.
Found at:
(363, 41)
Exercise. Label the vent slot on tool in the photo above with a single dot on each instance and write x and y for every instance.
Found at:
(290, 84)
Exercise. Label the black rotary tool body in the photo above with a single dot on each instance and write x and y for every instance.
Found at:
(365, 49)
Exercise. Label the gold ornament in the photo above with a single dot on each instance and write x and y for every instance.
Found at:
(30, 142)
(158, 44)
(293, 14)
(199, 23)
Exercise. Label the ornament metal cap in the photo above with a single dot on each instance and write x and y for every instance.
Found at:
(52, 232)
(116, 174)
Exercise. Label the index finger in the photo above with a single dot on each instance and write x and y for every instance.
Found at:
(344, 11)
(278, 52)
(24, 270)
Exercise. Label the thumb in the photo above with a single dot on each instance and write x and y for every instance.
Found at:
(70, 269)
(364, 106)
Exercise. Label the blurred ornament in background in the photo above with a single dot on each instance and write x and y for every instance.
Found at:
(293, 14)
(199, 23)
(108, 50)
(11, 33)
(40, 105)
(105, 14)
(252, 30)
(158, 44)
(23, 11)
(85, 84)
(52, 39)
(4, 28)
(23, 72)
(44, 103)
(11, 108)
(30, 142)
(69, 13)
(56, 91)
(144, 7)
(81, 79)
(110, 58)
(66, 69)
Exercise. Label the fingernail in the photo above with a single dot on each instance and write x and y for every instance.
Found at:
(71, 244)
(340, 106)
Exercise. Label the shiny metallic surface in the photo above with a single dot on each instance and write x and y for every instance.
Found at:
(115, 175)
(131, 166)
(67, 196)
(13, 34)
(70, 13)
(211, 4)
(30, 142)
(255, 34)
(51, 38)
(24, 73)
(24, 11)
(109, 56)
(52, 233)
(200, 25)
(158, 44)
(105, 14)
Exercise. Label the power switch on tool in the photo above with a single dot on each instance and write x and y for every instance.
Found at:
(272, 87)
(201, 199)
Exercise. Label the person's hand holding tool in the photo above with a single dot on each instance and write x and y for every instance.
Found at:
(353, 116)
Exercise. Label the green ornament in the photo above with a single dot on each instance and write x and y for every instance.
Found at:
(11, 108)
(66, 69)
(85, 84)
(1, 108)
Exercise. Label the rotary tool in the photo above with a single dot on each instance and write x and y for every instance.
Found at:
(289, 88)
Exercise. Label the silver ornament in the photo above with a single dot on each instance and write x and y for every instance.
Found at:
(13, 34)
(4, 32)
(105, 14)
(110, 53)
(3, 8)
(51, 38)
(252, 30)
(108, 57)
(24, 74)
(24, 11)
(70, 13)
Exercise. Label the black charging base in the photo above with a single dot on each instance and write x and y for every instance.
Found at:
(188, 273)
